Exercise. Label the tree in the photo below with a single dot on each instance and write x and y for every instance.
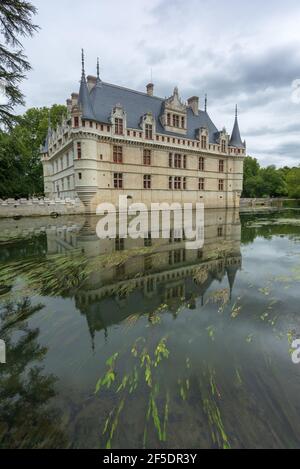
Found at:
(15, 21)
(293, 183)
(252, 184)
(21, 172)
(263, 182)
(273, 182)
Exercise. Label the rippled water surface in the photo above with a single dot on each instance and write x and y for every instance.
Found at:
(145, 344)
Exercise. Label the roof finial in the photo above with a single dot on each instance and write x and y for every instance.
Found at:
(82, 62)
(205, 103)
(236, 111)
(98, 68)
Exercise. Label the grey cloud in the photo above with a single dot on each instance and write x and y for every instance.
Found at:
(196, 44)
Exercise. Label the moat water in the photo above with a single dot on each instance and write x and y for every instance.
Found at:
(146, 345)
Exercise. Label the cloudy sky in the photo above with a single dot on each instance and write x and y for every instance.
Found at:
(238, 52)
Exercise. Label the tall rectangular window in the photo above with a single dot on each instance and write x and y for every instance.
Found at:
(175, 120)
(177, 160)
(184, 184)
(147, 181)
(117, 154)
(223, 146)
(118, 180)
(76, 121)
(168, 119)
(184, 161)
(177, 182)
(182, 122)
(221, 184)
(79, 150)
(170, 182)
(203, 141)
(201, 163)
(148, 131)
(221, 166)
(147, 157)
(119, 126)
(170, 160)
(201, 184)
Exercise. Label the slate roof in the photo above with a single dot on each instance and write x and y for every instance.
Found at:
(236, 140)
(104, 97)
(98, 103)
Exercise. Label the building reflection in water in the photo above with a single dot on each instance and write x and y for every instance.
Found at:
(163, 272)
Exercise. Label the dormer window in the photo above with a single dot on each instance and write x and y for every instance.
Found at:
(175, 120)
(119, 126)
(174, 114)
(223, 146)
(118, 120)
(203, 142)
(148, 131)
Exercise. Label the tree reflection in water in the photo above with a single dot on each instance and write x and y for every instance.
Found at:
(26, 421)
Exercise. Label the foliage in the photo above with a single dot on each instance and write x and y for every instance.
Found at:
(293, 182)
(15, 22)
(21, 173)
(269, 181)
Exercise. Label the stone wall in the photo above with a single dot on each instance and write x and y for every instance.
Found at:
(38, 207)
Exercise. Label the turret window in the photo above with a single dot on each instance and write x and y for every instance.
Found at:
(117, 154)
(119, 126)
(147, 181)
(201, 163)
(79, 150)
(147, 157)
(76, 121)
(118, 180)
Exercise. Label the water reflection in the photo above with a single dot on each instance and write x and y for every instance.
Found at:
(183, 348)
(159, 271)
(25, 389)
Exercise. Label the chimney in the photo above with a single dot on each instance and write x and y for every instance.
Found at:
(91, 82)
(150, 88)
(193, 103)
(74, 97)
(69, 105)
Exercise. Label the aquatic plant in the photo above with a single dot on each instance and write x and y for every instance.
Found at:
(143, 372)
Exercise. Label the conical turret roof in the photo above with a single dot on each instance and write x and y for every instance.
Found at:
(236, 140)
(84, 96)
